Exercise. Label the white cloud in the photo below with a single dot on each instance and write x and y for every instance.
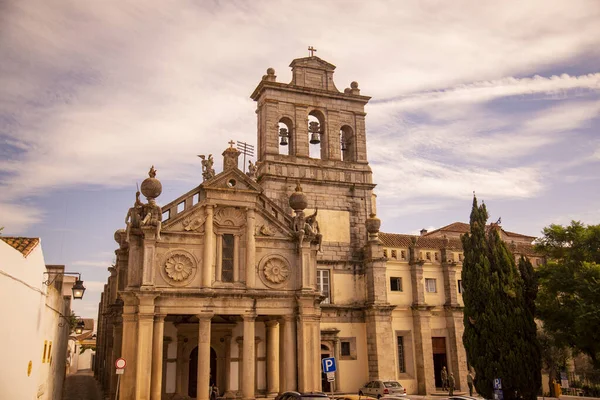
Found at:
(91, 263)
(15, 218)
(95, 95)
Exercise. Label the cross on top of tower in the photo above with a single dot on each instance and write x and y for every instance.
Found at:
(231, 143)
(312, 51)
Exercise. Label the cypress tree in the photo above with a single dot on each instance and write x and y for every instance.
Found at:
(498, 335)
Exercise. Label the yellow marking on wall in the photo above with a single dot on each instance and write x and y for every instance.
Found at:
(334, 225)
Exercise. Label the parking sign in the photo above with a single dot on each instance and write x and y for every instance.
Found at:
(328, 364)
(497, 384)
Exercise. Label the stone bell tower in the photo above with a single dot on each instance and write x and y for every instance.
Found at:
(311, 133)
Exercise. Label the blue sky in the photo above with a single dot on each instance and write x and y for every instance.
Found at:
(500, 98)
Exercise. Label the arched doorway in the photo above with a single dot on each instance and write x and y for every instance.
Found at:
(193, 371)
(325, 384)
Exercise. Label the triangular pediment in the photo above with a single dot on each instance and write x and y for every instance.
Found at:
(312, 62)
(232, 179)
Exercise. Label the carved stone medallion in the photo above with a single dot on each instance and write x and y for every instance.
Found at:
(178, 267)
(274, 271)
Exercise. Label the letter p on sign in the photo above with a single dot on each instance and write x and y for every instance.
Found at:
(329, 364)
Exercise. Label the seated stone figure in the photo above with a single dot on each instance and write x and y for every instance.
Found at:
(152, 216)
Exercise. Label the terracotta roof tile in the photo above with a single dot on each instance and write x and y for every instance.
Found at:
(459, 227)
(400, 240)
(22, 244)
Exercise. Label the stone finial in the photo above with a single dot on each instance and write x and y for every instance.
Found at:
(298, 200)
(230, 158)
(270, 76)
(151, 187)
(373, 224)
(354, 88)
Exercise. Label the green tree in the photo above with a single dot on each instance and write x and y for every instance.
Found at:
(568, 301)
(500, 337)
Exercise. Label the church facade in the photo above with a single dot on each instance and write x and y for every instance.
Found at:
(247, 281)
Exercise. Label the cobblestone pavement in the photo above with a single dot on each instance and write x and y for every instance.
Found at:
(81, 386)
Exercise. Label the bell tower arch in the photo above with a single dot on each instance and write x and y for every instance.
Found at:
(310, 132)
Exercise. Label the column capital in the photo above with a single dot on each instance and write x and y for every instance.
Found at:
(205, 315)
(288, 318)
(129, 317)
(249, 317)
(271, 323)
(159, 317)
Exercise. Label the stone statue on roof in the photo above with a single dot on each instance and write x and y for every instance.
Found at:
(134, 215)
(208, 171)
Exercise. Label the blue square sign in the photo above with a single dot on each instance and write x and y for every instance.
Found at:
(497, 384)
(328, 364)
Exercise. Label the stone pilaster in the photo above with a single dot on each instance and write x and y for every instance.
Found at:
(149, 245)
(227, 370)
(308, 342)
(423, 350)
(288, 354)
(144, 344)
(157, 357)
(250, 248)
(249, 358)
(203, 356)
(240, 343)
(208, 248)
(219, 260)
(457, 354)
(236, 258)
(272, 357)
(117, 345)
(129, 348)
(380, 342)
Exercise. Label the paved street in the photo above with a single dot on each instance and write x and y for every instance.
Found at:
(81, 386)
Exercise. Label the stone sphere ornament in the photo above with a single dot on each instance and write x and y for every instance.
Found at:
(151, 187)
(298, 200)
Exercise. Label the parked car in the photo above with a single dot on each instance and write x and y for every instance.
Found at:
(301, 396)
(382, 388)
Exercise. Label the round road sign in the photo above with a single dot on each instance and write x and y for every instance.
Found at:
(120, 363)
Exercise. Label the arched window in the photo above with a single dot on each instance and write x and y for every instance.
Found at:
(284, 129)
(347, 145)
(316, 135)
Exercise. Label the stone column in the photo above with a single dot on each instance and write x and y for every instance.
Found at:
(219, 267)
(337, 354)
(289, 356)
(208, 248)
(157, 357)
(129, 352)
(203, 356)
(457, 354)
(380, 341)
(272, 357)
(250, 249)
(227, 389)
(249, 358)
(236, 258)
(144, 343)
(240, 342)
(179, 367)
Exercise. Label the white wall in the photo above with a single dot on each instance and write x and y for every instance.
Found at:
(21, 311)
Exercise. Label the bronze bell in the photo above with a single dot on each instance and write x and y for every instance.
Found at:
(343, 145)
(314, 138)
(283, 133)
(313, 128)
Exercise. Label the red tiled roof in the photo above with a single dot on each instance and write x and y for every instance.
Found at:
(519, 235)
(399, 240)
(22, 244)
(458, 227)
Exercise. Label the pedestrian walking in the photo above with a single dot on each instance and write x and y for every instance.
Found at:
(470, 382)
(444, 375)
(451, 384)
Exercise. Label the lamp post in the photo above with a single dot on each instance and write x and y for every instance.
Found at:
(78, 288)
(79, 327)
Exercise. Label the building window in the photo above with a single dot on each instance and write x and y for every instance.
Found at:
(403, 254)
(323, 284)
(345, 349)
(348, 348)
(460, 257)
(385, 253)
(430, 286)
(435, 256)
(428, 255)
(538, 262)
(227, 258)
(395, 284)
(394, 254)
(401, 363)
(460, 287)
(45, 349)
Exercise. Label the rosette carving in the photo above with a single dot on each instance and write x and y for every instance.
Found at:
(276, 270)
(179, 267)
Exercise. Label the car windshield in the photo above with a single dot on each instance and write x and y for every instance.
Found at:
(392, 384)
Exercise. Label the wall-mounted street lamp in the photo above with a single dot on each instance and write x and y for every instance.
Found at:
(79, 327)
(78, 288)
